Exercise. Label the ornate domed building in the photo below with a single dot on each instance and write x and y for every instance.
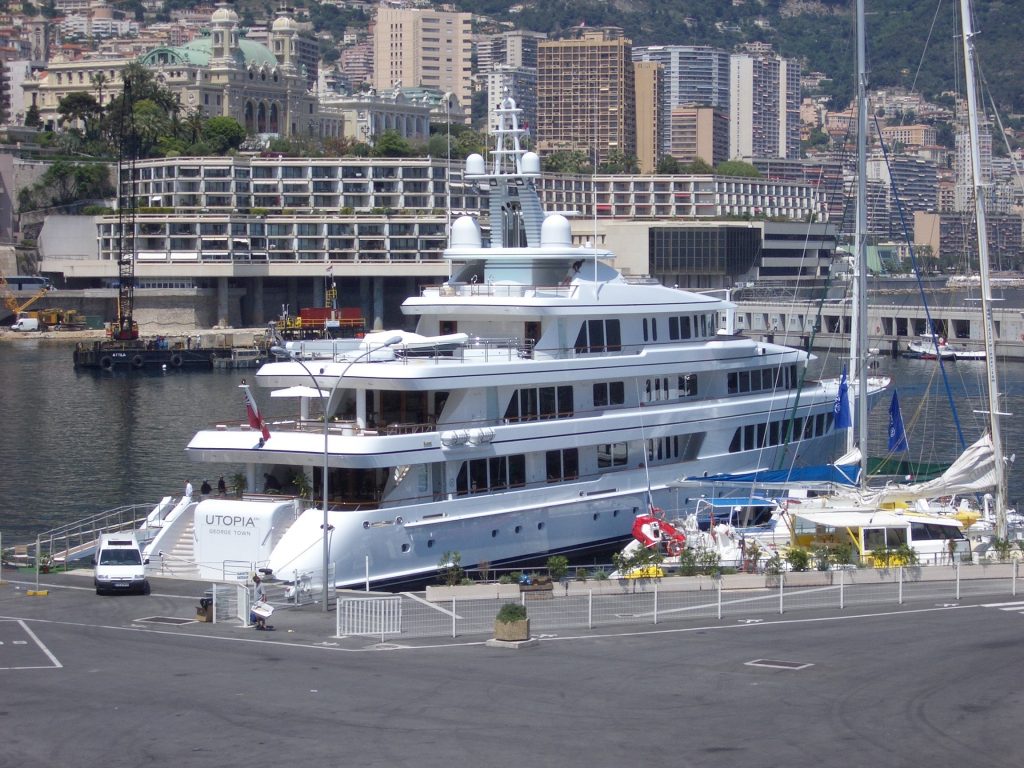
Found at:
(264, 87)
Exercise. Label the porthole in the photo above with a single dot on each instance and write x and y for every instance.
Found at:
(366, 525)
(405, 547)
(540, 526)
(519, 528)
(494, 534)
(430, 543)
(615, 513)
(597, 515)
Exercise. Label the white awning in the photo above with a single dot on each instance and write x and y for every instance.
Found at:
(866, 519)
(299, 391)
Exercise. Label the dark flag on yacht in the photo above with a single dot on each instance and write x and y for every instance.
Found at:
(841, 409)
(897, 434)
(253, 412)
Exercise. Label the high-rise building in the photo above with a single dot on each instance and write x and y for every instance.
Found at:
(699, 133)
(513, 49)
(693, 75)
(518, 82)
(586, 95)
(414, 47)
(964, 201)
(764, 104)
(649, 85)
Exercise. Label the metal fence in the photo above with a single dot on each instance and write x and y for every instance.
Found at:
(608, 603)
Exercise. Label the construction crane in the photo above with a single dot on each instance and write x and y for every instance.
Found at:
(11, 301)
(124, 327)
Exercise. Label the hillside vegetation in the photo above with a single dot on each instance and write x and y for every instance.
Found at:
(911, 43)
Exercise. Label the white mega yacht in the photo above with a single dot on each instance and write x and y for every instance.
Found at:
(544, 402)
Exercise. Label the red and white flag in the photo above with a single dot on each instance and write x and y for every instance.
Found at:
(253, 412)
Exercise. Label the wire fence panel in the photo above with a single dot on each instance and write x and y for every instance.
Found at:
(591, 605)
(369, 616)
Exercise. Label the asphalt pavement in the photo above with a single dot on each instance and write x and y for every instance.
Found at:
(88, 680)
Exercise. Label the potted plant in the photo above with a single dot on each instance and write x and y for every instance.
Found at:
(512, 624)
(239, 483)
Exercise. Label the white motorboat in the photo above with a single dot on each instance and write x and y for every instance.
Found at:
(546, 402)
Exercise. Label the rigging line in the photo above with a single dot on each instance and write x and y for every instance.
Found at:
(920, 287)
(920, 63)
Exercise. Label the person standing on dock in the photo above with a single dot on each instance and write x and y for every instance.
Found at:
(222, 487)
(188, 489)
(205, 488)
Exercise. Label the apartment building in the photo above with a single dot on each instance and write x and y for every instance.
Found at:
(702, 196)
(518, 82)
(699, 133)
(764, 106)
(693, 75)
(415, 47)
(649, 85)
(586, 94)
(909, 135)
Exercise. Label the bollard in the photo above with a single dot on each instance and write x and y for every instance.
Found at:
(719, 598)
(453, 617)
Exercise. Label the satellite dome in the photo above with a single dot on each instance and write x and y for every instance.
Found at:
(555, 231)
(475, 165)
(531, 164)
(465, 233)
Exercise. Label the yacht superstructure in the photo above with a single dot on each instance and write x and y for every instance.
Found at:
(544, 402)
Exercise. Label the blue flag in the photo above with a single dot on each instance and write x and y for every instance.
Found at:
(841, 409)
(897, 434)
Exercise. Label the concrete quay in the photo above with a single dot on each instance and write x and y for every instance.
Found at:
(87, 680)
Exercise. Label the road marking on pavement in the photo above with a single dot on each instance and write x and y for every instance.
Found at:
(55, 664)
(1014, 606)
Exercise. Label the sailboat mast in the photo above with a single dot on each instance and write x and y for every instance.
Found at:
(859, 321)
(988, 323)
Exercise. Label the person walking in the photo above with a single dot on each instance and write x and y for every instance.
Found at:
(222, 487)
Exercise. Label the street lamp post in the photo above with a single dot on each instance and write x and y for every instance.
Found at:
(324, 402)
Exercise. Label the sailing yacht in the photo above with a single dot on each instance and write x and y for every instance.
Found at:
(544, 401)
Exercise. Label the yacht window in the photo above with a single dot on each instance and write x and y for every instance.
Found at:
(645, 329)
(562, 465)
(542, 403)
(609, 393)
(688, 385)
(703, 325)
(600, 336)
(673, 328)
(684, 328)
(612, 455)
(734, 383)
(494, 474)
(744, 381)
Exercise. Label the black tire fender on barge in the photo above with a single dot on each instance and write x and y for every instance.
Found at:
(106, 362)
(175, 360)
(138, 361)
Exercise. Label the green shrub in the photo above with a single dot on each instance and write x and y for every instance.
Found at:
(511, 612)
(450, 569)
(558, 566)
(799, 559)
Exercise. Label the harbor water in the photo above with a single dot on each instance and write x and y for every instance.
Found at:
(77, 443)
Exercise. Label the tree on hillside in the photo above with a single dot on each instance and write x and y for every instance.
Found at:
(737, 168)
(668, 166)
(222, 134)
(391, 144)
(566, 161)
(80, 109)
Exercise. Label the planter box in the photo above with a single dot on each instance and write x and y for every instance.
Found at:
(807, 579)
(438, 594)
(512, 631)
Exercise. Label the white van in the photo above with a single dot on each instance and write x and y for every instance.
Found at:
(119, 565)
